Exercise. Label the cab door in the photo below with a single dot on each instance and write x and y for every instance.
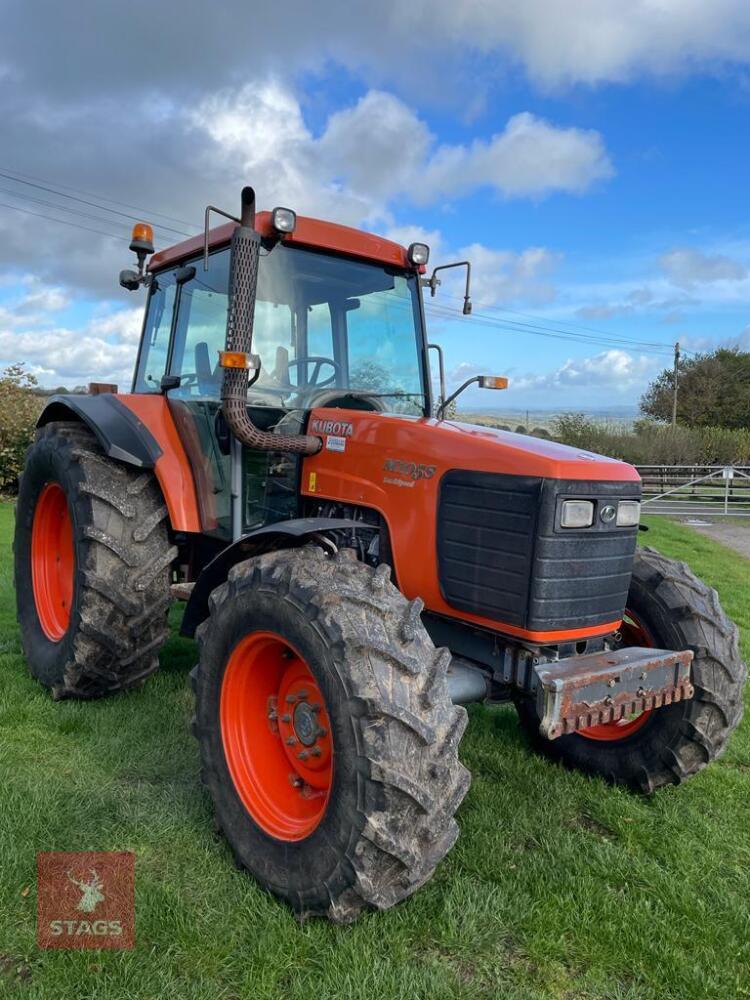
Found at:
(193, 386)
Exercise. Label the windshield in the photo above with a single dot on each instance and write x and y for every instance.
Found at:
(325, 326)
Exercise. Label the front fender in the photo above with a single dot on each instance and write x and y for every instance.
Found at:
(283, 535)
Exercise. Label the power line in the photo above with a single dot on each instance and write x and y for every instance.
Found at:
(563, 322)
(17, 175)
(52, 204)
(600, 335)
(91, 204)
(63, 222)
(549, 332)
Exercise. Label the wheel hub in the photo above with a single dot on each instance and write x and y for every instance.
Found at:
(305, 723)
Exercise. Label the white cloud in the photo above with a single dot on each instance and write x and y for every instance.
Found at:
(615, 370)
(104, 349)
(592, 41)
(530, 157)
(686, 267)
(379, 149)
(504, 275)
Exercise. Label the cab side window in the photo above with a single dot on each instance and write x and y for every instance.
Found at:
(152, 361)
(200, 331)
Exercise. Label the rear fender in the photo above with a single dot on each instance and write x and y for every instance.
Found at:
(137, 429)
(120, 433)
(284, 535)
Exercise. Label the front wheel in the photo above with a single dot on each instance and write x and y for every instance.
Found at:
(670, 608)
(328, 740)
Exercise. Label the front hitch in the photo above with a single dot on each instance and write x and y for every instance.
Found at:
(598, 688)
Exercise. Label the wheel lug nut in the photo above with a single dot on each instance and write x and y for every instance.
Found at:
(295, 781)
(291, 699)
(286, 717)
(303, 755)
(316, 751)
(290, 741)
(315, 707)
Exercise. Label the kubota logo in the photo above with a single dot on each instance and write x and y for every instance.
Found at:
(339, 428)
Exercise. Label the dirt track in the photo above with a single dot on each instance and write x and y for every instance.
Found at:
(734, 533)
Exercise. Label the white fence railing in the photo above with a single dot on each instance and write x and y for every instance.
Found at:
(696, 490)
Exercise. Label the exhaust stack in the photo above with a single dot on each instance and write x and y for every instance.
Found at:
(237, 359)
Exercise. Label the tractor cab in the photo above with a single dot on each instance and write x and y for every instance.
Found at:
(337, 323)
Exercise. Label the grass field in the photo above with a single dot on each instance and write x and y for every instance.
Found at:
(560, 887)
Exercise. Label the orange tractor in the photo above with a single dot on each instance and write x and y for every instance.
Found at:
(358, 567)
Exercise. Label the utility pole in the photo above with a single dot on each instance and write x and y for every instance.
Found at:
(674, 393)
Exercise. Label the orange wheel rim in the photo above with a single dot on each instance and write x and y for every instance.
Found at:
(276, 735)
(52, 561)
(634, 633)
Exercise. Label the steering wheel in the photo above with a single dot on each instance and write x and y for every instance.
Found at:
(317, 361)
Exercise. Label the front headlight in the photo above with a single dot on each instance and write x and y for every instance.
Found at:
(628, 513)
(577, 514)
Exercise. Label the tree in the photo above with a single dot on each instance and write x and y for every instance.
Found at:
(19, 409)
(713, 390)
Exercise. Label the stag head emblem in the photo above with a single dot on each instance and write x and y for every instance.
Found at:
(91, 892)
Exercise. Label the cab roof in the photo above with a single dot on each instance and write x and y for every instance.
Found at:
(308, 232)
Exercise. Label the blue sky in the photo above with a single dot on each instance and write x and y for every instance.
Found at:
(593, 166)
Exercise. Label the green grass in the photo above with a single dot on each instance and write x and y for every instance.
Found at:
(560, 887)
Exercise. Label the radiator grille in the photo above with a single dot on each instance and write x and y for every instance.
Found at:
(500, 554)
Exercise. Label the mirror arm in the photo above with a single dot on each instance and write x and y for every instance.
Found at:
(434, 281)
(447, 402)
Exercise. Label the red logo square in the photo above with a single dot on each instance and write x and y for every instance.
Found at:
(85, 899)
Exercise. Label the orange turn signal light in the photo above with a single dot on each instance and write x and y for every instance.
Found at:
(493, 382)
(143, 232)
(235, 359)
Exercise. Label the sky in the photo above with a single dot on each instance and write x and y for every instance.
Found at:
(589, 158)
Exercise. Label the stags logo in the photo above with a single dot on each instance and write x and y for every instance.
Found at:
(85, 900)
(91, 892)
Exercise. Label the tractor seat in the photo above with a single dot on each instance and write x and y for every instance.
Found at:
(209, 379)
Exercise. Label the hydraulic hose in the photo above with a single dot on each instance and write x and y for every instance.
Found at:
(243, 281)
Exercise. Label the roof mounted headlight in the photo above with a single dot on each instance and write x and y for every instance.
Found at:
(418, 254)
(284, 220)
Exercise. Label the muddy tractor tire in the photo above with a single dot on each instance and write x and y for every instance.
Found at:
(92, 566)
(328, 741)
(670, 608)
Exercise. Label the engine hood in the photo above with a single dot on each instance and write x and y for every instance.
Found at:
(401, 467)
(373, 438)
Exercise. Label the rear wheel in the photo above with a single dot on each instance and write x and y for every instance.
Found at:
(92, 563)
(328, 740)
(670, 608)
